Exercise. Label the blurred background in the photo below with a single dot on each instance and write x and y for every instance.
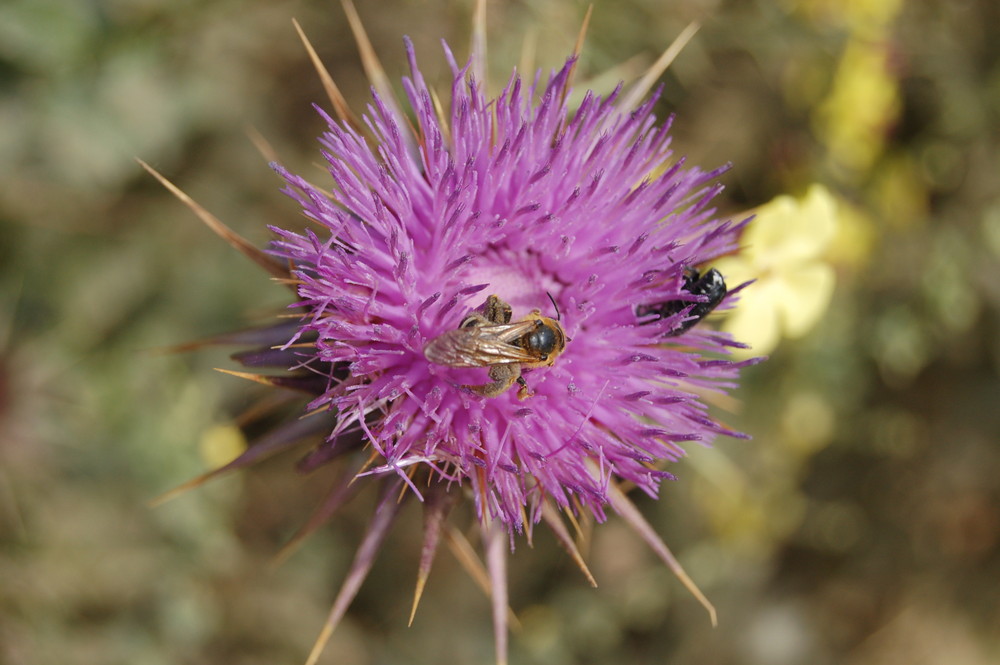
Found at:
(861, 524)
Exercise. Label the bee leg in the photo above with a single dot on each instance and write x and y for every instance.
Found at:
(503, 378)
(523, 392)
(493, 311)
(474, 320)
(497, 311)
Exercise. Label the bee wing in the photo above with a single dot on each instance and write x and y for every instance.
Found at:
(480, 346)
(508, 332)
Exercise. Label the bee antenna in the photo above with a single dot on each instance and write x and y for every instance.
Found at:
(558, 313)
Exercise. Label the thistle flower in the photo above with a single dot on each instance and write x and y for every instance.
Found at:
(579, 215)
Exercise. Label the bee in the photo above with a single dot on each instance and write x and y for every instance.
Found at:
(487, 338)
(710, 285)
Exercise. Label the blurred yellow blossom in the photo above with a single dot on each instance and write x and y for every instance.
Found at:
(856, 237)
(221, 444)
(853, 119)
(784, 251)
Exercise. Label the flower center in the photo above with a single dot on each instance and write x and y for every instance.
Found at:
(518, 278)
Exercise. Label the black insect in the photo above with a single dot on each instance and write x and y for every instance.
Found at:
(710, 285)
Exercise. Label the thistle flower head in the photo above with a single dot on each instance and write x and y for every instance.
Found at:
(581, 214)
(469, 244)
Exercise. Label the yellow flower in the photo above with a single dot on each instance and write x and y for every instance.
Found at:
(852, 121)
(784, 251)
(221, 444)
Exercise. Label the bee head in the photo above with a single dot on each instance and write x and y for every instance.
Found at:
(547, 340)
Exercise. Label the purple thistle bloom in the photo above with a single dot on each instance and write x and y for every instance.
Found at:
(579, 215)
(521, 197)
